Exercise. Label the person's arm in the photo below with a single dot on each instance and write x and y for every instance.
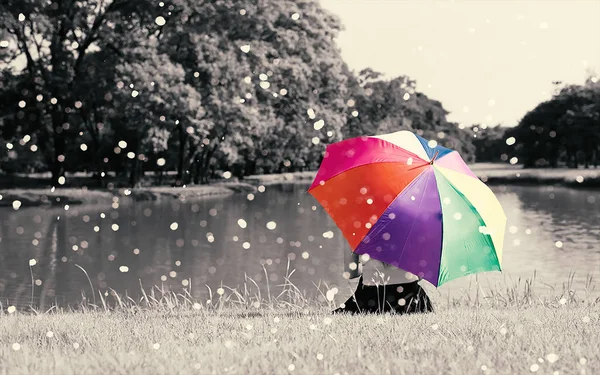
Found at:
(352, 265)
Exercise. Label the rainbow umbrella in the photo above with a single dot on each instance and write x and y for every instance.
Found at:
(411, 203)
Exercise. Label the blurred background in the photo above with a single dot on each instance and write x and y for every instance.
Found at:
(171, 143)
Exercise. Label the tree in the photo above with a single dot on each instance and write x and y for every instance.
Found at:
(380, 106)
(259, 67)
(55, 37)
(490, 143)
(565, 127)
(154, 101)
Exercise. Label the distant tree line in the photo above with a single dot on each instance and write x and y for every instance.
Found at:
(563, 131)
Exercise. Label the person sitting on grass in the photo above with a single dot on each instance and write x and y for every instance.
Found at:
(383, 288)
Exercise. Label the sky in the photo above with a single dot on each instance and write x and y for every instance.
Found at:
(487, 61)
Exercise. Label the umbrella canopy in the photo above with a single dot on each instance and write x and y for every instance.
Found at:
(411, 203)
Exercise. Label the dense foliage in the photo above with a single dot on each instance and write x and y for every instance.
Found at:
(563, 131)
(490, 143)
(197, 87)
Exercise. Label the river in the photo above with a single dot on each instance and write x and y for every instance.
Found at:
(187, 245)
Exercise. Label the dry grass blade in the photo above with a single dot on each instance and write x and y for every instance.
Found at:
(89, 281)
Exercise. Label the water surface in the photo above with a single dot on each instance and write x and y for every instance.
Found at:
(551, 230)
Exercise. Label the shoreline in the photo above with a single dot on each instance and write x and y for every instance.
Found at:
(490, 173)
(497, 174)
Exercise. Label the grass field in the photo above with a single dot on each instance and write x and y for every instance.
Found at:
(237, 332)
(454, 341)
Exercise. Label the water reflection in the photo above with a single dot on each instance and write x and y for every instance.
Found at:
(573, 214)
(190, 245)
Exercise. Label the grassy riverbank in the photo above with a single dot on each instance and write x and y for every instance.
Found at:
(493, 173)
(489, 172)
(510, 330)
(75, 196)
(236, 333)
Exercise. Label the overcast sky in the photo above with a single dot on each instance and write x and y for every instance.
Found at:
(487, 61)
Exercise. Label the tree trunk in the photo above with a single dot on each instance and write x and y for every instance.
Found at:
(204, 172)
(98, 162)
(99, 178)
(250, 168)
(58, 88)
(181, 161)
(58, 137)
(197, 167)
(57, 171)
(554, 158)
(134, 175)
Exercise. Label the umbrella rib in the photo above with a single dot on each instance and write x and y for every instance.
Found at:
(476, 212)
(418, 166)
(464, 198)
(372, 232)
(362, 165)
(409, 153)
